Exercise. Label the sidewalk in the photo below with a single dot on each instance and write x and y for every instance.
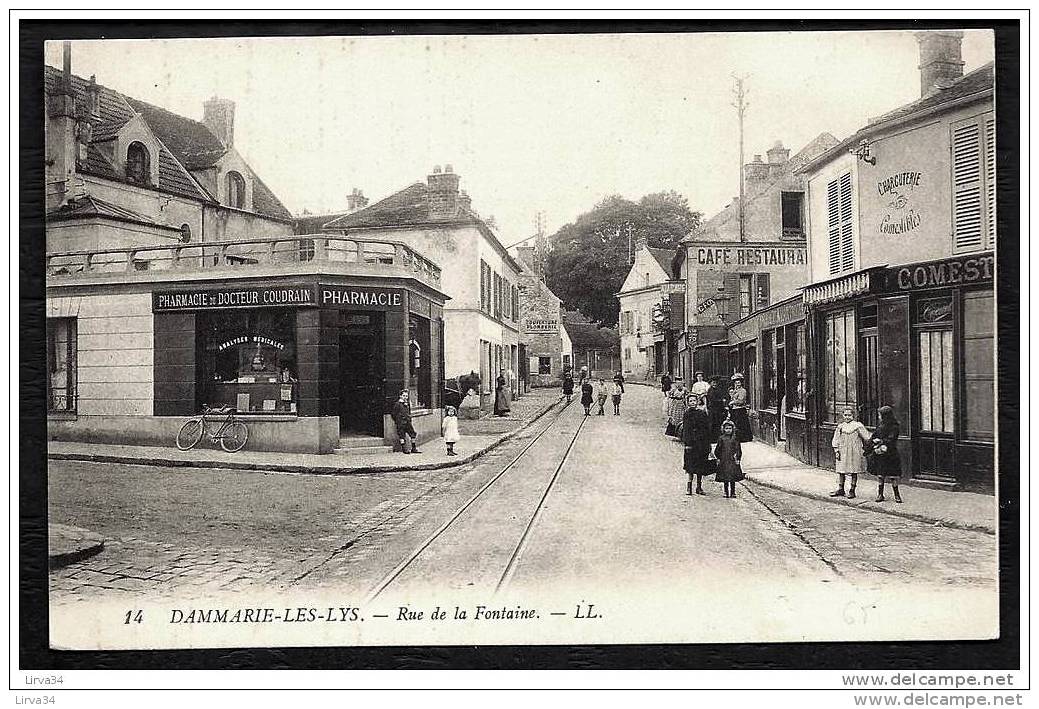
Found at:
(478, 437)
(768, 466)
(68, 545)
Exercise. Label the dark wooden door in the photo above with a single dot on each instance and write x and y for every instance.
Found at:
(361, 375)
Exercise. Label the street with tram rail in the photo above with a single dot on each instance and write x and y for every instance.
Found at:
(580, 509)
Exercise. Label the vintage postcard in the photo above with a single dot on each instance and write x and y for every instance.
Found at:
(522, 339)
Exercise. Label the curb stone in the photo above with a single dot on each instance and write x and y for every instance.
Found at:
(159, 462)
(868, 506)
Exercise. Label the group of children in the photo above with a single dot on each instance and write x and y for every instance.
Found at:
(705, 455)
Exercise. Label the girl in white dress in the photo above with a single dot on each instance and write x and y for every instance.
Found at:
(848, 452)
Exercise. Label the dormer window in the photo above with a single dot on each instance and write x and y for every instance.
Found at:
(138, 164)
(235, 190)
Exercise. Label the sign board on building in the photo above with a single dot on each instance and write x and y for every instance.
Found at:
(360, 297)
(669, 287)
(542, 327)
(751, 256)
(782, 314)
(962, 270)
(219, 298)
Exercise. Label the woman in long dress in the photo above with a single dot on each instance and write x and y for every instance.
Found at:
(738, 409)
(884, 461)
(501, 396)
(696, 436)
(848, 440)
(675, 408)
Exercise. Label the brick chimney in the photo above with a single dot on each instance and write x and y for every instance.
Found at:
(756, 170)
(443, 193)
(93, 98)
(218, 117)
(62, 135)
(941, 60)
(356, 200)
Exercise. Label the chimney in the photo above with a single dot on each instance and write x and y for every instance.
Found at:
(777, 154)
(62, 134)
(755, 171)
(356, 200)
(940, 59)
(94, 99)
(443, 193)
(218, 117)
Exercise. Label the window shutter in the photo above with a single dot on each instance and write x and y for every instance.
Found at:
(966, 187)
(847, 240)
(834, 226)
(731, 286)
(990, 179)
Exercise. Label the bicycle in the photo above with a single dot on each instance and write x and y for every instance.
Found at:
(232, 433)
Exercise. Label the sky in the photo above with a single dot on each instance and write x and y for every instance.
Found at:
(550, 123)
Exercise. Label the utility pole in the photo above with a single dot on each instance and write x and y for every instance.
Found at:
(741, 107)
(631, 249)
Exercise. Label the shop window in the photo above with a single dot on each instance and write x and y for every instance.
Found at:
(799, 392)
(61, 365)
(839, 225)
(247, 359)
(138, 164)
(935, 375)
(750, 361)
(979, 384)
(793, 215)
(421, 374)
(544, 365)
(235, 190)
(839, 364)
(769, 393)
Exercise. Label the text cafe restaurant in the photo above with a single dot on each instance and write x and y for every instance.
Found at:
(336, 352)
(918, 337)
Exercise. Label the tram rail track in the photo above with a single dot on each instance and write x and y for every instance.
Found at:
(517, 550)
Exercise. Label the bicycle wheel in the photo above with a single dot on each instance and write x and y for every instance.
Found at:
(234, 437)
(189, 434)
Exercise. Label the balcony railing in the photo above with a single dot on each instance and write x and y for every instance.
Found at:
(369, 254)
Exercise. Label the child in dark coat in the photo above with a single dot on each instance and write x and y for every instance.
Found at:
(729, 454)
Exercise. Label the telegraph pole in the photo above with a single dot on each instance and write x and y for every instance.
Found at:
(741, 107)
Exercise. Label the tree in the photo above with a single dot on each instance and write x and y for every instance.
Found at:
(588, 261)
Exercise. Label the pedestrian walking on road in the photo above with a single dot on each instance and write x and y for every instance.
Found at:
(501, 396)
(675, 408)
(696, 436)
(568, 386)
(616, 390)
(848, 441)
(586, 396)
(601, 394)
(738, 409)
(729, 454)
(717, 406)
(618, 378)
(449, 428)
(884, 461)
(665, 389)
(401, 415)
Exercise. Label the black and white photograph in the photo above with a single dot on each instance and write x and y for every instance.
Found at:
(420, 339)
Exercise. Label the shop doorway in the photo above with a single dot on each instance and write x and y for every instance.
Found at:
(935, 404)
(362, 374)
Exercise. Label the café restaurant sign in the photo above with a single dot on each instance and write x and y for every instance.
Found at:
(751, 256)
(219, 298)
